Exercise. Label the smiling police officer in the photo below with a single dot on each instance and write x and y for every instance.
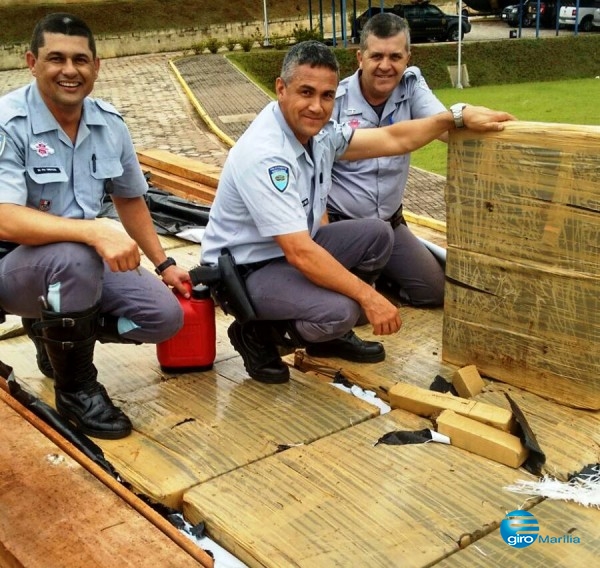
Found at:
(305, 278)
(71, 277)
(383, 91)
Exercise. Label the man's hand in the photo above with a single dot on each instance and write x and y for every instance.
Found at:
(382, 314)
(482, 119)
(116, 247)
(175, 276)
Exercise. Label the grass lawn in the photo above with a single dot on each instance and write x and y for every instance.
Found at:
(573, 102)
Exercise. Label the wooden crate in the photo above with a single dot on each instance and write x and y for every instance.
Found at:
(523, 267)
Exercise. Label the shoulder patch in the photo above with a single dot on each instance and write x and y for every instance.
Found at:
(107, 107)
(280, 177)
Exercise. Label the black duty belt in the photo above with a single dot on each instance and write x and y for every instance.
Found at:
(396, 219)
(246, 269)
(6, 247)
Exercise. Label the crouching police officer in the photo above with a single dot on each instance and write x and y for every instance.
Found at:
(73, 279)
(307, 280)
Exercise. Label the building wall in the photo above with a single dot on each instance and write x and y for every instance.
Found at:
(12, 56)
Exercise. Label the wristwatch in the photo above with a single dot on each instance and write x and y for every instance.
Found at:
(457, 113)
(164, 265)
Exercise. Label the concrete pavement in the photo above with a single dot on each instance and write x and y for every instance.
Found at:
(163, 104)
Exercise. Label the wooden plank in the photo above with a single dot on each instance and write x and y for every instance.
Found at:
(55, 513)
(191, 190)
(191, 427)
(413, 355)
(345, 501)
(182, 166)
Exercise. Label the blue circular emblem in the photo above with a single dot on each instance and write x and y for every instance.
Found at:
(519, 529)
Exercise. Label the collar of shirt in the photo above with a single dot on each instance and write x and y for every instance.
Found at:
(42, 120)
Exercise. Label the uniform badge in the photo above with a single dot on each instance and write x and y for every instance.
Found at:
(280, 177)
(354, 123)
(2, 142)
(42, 149)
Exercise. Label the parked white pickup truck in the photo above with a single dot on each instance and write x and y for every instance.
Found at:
(569, 15)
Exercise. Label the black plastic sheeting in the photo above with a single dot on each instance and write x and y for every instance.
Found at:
(402, 437)
(56, 421)
(537, 458)
(170, 214)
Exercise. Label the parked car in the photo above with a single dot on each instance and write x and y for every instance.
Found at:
(547, 12)
(426, 22)
(584, 17)
(596, 20)
(511, 13)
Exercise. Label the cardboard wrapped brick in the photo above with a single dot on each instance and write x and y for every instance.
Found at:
(482, 439)
(523, 264)
(430, 404)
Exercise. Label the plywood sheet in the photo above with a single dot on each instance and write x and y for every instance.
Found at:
(55, 513)
(191, 427)
(413, 355)
(344, 501)
(556, 519)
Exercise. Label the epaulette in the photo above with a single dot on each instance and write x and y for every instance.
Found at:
(106, 107)
(10, 108)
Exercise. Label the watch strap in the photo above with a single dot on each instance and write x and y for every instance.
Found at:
(164, 265)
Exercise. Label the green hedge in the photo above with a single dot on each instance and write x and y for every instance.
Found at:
(488, 63)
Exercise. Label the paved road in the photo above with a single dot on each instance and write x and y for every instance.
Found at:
(490, 29)
(153, 103)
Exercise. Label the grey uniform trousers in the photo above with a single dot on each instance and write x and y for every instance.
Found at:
(75, 277)
(415, 270)
(281, 292)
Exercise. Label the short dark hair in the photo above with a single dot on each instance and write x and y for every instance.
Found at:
(384, 25)
(310, 52)
(61, 23)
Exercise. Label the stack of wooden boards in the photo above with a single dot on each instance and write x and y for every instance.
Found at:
(523, 265)
(181, 176)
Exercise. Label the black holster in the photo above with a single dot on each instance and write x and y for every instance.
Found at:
(227, 287)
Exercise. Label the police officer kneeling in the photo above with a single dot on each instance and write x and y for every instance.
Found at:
(308, 280)
(72, 278)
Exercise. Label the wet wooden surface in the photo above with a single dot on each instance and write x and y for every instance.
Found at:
(289, 475)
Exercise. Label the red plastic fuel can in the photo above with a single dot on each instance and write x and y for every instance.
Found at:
(193, 348)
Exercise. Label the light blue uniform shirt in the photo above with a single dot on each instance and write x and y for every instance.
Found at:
(41, 168)
(271, 185)
(374, 188)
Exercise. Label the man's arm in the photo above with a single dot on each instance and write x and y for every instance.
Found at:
(27, 226)
(407, 136)
(134, 214)
(324, 270)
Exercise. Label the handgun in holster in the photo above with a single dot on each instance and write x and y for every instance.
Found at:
(227, 286)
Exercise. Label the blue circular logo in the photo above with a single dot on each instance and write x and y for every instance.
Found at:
(519, 529)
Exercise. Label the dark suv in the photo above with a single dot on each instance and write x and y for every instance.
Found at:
(547, 12)
(426, 22)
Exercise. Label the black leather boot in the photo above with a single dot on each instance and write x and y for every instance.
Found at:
(70, 340)
(349, 347)
(253, 341)
(41, 357)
